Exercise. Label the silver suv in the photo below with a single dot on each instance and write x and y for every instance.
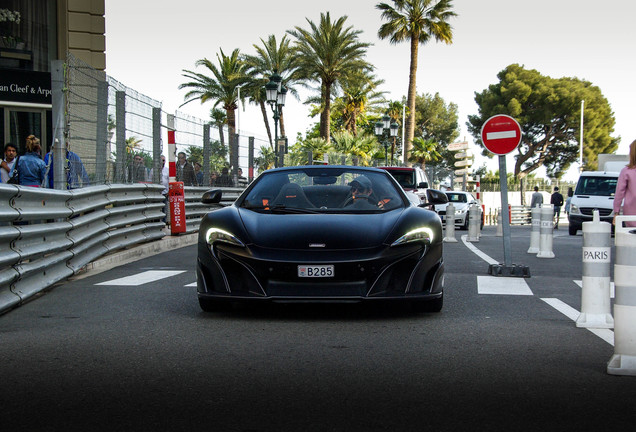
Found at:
(412, 179)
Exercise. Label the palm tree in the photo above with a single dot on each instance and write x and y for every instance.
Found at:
(416, 21)
(363, 146)
(220, 87)
(359, 92)
(219, 118)
(424, 150)
(325, 53)
(266, 160)
(271, 57)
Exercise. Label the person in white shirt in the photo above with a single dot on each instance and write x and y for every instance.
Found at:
(10, 153)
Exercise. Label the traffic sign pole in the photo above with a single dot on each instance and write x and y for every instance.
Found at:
(501, 134)
(505, 222)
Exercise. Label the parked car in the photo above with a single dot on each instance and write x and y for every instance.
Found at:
(321, 233)
(412, 179)
(462, 202)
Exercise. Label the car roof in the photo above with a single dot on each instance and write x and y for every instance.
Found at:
(340, 167)
(398, 168)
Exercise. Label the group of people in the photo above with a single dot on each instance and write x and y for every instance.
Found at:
(191, 175)
(556, 199)
(30, 169)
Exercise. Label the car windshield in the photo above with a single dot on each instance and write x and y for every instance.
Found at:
(405, 178)
(456, 197)
(323, 190)
(601, 186)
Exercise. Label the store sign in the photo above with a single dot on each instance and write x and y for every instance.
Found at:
(25, 86)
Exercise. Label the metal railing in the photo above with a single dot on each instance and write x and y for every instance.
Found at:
(49, 235)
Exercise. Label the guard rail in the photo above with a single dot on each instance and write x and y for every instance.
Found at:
(48, 235)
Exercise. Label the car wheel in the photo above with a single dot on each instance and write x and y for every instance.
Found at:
(209, 305)
(572, 229)
(428, 305)
(465, 226)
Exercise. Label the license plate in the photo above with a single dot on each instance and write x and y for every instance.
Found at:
(317, 271)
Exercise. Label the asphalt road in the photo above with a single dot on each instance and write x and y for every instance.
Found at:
(143, 357)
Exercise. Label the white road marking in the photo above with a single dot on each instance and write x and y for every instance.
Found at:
(477, 252)
(612, 288)
(142, 278)
(606, 334)
(193, 284)
(502, 285)
(501, 135)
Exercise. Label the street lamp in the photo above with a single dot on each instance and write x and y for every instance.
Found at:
(392, 127)
(275, 93)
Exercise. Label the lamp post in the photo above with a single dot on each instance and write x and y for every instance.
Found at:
(275, 94)
(392, 127)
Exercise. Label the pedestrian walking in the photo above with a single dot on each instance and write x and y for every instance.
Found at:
(557, 201)
(537, 198)
(626, 188)
(568, 201)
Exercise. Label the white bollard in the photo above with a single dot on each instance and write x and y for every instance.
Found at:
(595, 293)
(546, 236)
(535, 234)
(473, 223)
(449, 230)
(623, 362)
(499, 232)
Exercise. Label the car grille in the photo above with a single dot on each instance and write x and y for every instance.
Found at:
(441, 212)
(589, 211)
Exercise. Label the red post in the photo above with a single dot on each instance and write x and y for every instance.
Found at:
(177, 208)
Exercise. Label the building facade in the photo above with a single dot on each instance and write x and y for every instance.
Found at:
(32, 34)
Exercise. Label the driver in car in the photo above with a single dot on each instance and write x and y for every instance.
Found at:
(361, 194)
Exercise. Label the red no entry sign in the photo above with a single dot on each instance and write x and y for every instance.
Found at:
(501, 134)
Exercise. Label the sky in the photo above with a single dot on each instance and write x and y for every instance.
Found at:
(150, 42)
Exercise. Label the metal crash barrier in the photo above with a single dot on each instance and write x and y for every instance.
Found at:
(48, 235)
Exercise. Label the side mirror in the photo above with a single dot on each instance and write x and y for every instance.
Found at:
(212, 196)
(434, 196)
(422, 185)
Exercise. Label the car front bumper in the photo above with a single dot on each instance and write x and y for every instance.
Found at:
(401, 273)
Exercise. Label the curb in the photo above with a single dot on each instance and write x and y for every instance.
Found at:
(136, 253)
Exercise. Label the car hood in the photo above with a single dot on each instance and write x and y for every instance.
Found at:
(458, 206)
(322, 231)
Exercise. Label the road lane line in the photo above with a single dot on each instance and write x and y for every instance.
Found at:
(498, 285)
(477, 252)
(606, 334)
(193, 284)
(142, 278)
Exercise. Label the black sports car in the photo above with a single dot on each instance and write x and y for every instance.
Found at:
(321, 233)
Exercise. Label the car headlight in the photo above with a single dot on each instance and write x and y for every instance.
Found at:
(218, 235)
(461, 210)
(423, 234)
(574, 208)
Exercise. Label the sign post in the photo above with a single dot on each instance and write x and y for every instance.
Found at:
(501, 134)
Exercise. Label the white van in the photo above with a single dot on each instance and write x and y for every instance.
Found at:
(594, 191)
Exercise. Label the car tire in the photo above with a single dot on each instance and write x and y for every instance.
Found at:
(465, 226)
(428, 305)
(209, 305)
(572, 230)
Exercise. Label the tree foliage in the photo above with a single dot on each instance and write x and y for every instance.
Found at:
(437, 121)
(325, 53)
(416, 22)
(549, 112)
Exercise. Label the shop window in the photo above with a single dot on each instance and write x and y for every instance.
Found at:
(28, 34)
